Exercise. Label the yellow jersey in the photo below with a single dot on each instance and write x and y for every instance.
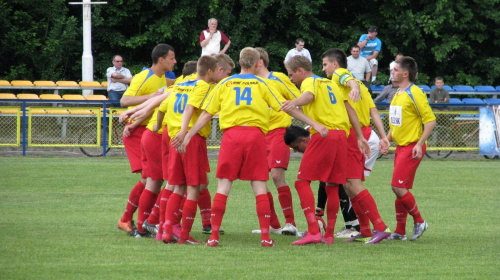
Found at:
(327, 108)
(145, 83)
(194, 93)
(407, 115)
(244, 100)
(289, 91)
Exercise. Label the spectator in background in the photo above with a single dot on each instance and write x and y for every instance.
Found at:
(119, 78)
(298, 50)
(387, 93)
(439, 95)
(391, 66)
(211, 38)
(370, 47)
(359, 67)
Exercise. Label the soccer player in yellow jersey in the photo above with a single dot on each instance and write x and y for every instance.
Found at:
(243, 103)
(411, 121)
(334, 65)
(149, 215)
(278, 153)
(325, 158)
(188, 171)
(143, 86)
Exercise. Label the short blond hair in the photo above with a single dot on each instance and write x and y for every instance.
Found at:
(248, 57)
(224, 61)
(299, 61)
(205, 63)
(264, 56)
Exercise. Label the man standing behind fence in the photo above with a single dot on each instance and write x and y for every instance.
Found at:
(119, 78)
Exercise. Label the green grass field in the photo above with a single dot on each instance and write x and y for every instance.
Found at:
(58, 221)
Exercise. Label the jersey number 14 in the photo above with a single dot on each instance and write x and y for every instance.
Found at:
(246, 95)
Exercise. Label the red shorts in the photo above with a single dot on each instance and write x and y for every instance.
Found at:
(355, 159)
(152, 165)
(190, 168)
(278, 153)
(133, 148)
(242, 154)
(405, 166)
(325, 158)
(165, 148)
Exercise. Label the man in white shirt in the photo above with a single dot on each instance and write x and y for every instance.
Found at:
(119, 78)
(358, 65)
(298, 50)
(392, 64)
(211, 38)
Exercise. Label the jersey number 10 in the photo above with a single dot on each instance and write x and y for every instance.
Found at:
(180, 102)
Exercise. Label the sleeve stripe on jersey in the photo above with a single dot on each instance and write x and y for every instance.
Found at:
(272, 93)
(272, 77)
(150, 73)
(205, 96)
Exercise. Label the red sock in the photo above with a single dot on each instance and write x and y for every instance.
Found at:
(285, 198)
(154, 218)
(364, 222)
(188, 215)
(368, 204)
(401, 215)
(178, 213)
(307, 203)
(133, 202)
(263, 213)
(218, 210)
(205, 204)
(146, 204)
(170, 211)
(332, 208)
(274, 222)
(165, 195)
(411, 206)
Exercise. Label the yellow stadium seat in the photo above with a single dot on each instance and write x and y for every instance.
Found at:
(5, 83)
(90, 84)
(61, 111)
(96, 97)
(7, 96)
(27, 96)
(74, 111)
(104, 84)
(9, 111)
(50, 96)
(44, 84)
(21, 83)
(67, 84)
(73, 97)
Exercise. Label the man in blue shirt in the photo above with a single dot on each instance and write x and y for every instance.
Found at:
(370, 47)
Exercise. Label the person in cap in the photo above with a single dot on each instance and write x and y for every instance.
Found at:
(370, 47)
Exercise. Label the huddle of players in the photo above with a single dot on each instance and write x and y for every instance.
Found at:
(338, 109)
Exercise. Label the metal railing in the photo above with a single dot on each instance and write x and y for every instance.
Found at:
(93, 126)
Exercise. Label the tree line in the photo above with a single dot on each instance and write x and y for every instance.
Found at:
(459, 40)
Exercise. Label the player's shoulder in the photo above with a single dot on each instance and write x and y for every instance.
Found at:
(342, 75)
(279, 75)
(414, 89)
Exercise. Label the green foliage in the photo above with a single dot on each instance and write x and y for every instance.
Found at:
(456, 39)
